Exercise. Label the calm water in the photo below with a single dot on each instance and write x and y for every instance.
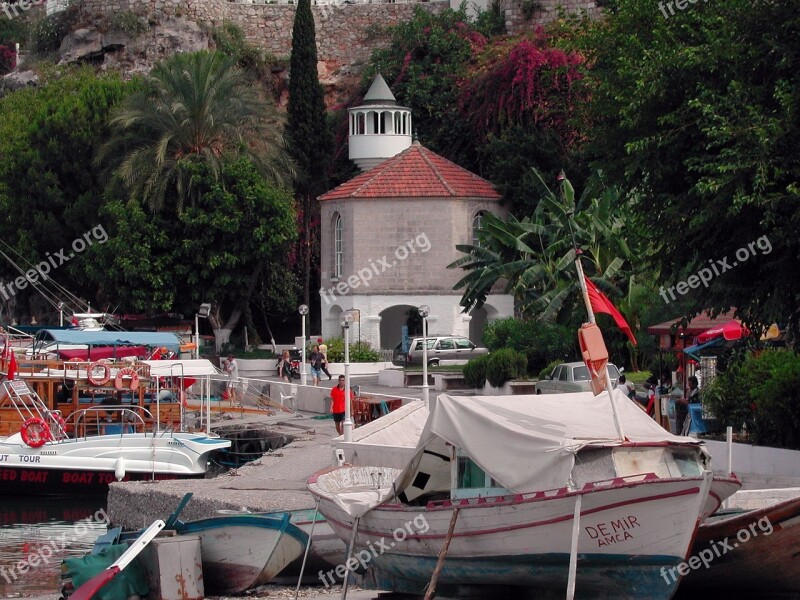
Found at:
(37, 533)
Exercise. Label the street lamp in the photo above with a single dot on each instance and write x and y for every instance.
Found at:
(203, 311)
(424, 311)
(347, 318)
(303, 310)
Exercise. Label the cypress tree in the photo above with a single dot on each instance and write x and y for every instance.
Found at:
(307, 133)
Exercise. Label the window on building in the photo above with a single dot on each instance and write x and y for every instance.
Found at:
(477, 221)
(338, 247)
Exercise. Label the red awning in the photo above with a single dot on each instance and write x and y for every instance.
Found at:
(732, 330)
(99, 352)
(701, 323)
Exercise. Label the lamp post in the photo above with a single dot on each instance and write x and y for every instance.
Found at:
(424, 311)
(203, 311)
(303, 310)
(348, 419)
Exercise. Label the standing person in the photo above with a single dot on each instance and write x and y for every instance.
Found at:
(622, 385)
(337, 406)
(231, 367)
(682, 406)
(315, 359)
(324, 349)
(285, 367)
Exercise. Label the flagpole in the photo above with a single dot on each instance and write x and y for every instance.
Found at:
(589, 311)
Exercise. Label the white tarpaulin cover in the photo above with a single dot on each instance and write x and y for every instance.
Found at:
(178, 368)
(400, 428)
(526, 443)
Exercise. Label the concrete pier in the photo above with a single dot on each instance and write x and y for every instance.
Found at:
(276, 481)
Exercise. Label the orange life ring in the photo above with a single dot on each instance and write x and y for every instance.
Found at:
(127, 372)
(95, 379)
(35, 432)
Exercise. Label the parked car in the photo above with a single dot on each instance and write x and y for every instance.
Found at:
(443, 348)
(572, 377)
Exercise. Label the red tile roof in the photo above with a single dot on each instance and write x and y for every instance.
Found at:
(414, 173)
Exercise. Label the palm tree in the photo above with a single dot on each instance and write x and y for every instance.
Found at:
(195, 108)
(535, 256)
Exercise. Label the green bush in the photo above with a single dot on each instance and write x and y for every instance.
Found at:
(475, 371)
(492, 21)
(231, 41)
(761, 392)
(360, 352)
(47, 34)
(128, 23)
(13, 31)
(504, 365)
(540, 341)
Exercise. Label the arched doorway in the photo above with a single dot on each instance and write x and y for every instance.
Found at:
(480, 317)
(392, 321)
(331, 322)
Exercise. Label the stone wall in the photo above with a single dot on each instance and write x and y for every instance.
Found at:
(345, 32)
(543, 11)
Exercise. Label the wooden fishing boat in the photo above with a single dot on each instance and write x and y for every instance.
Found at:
(755, 551)
(240, 552)
(326, 548)
(639, 500)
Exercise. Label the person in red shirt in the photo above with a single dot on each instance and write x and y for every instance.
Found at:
(337, 406)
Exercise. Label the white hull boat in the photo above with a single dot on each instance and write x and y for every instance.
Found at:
(629, 531)
(508, 473)
(240, 552)
(43, 459)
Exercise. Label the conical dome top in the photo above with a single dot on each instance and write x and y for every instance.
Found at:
(379, 92)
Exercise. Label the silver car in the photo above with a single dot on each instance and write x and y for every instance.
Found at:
(443, 348)
(572, 377)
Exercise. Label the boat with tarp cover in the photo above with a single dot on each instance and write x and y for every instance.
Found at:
(509, 484)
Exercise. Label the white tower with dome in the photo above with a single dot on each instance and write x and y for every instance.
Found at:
(379, 128)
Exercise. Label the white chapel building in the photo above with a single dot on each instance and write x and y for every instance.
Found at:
(389, 233)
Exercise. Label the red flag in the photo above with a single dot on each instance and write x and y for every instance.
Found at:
(12, 368)
(601, 304)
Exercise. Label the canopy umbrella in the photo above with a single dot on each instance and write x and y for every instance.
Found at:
(693, 351)
(730, 331)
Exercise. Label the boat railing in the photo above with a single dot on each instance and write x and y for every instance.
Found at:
(76, 370)
(31, 408)
(540, 495)
(109, 420)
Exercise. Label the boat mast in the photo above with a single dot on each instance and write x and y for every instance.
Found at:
(568, 195)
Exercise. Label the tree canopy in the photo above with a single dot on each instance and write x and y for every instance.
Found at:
(699, 113)
(49, 194)
(196, 108)
(216, 250)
